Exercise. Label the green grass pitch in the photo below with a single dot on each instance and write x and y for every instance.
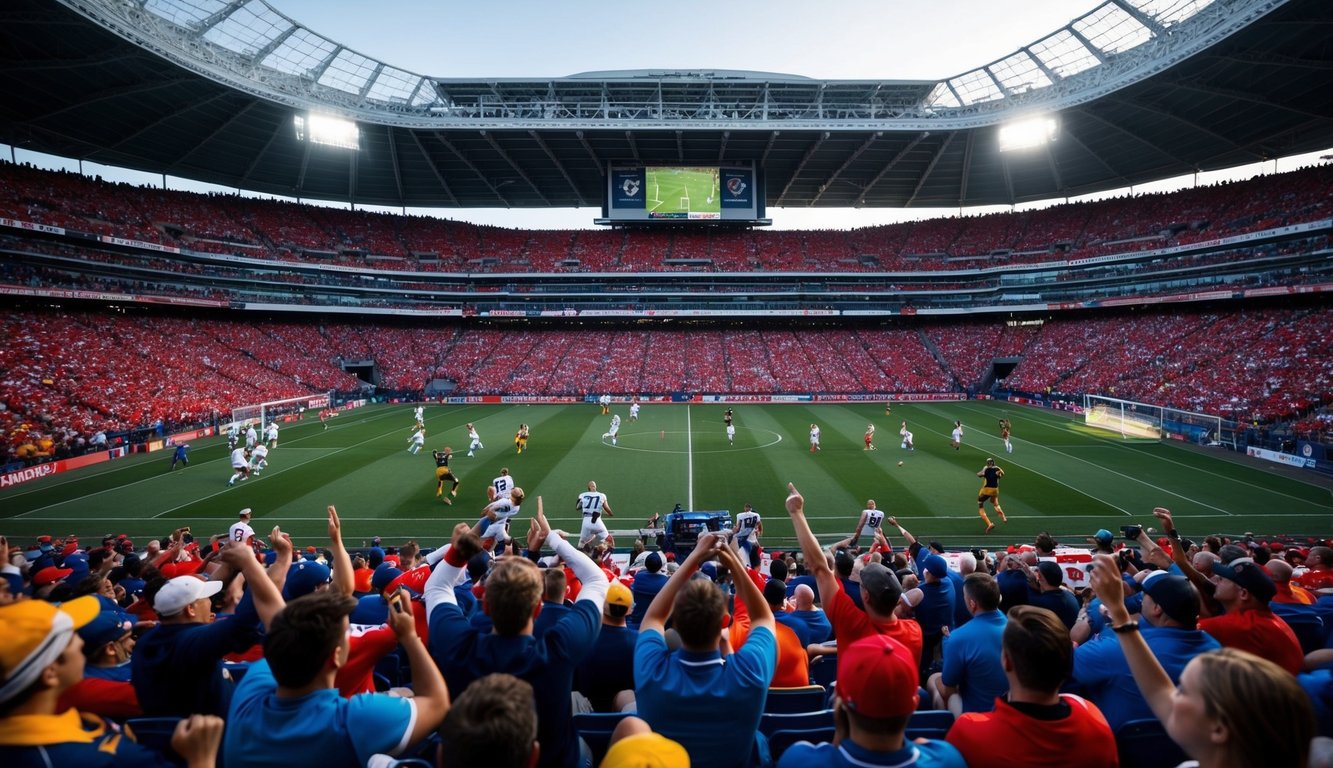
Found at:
(683, 190)
(1061, 477)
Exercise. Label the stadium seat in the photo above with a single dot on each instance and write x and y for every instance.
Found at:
(1144, 744)
(811, 698)
(595, 729)
(155, 734)
(1309, 630)
(929, 724)
(780, 740)
(772, 722)
(824, 671)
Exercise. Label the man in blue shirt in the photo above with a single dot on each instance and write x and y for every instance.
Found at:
(647, 583)
(1052, 596)
(286, 710)
(876, 695)
(709, 704)
(973, 674)
(609, 667)
(934, 606)
(815, 619)
(1171, 612)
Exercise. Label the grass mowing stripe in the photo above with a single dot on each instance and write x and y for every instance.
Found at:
(689, 456)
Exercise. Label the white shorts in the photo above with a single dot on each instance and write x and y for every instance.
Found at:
(240, 466)
(499, 530)
(595, 530)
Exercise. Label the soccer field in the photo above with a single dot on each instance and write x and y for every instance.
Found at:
(1061, 477)
(683, 190)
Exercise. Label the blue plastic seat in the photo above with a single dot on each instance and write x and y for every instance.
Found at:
(929, 724)
(155, 734)
(772, 722)
(595, 728)
(811, 698)
(1144, 744)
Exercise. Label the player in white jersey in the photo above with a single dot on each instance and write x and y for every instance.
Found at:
(271, 434)
(251, 436)
(495, 517)
(731, 434)
(956, 438)
(416, 441)
(871, 520)
(613, 430)
(906, 434)
(240, 465)
(592, 505)
(419, 414)
(749, 526)
(233, 434)
(500, 486)
(814, 438)
(258, 458)
(634, 411)
(240, 530)
(605, 402)
(475, 445)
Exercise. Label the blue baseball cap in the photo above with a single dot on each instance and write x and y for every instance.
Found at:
(305, 577)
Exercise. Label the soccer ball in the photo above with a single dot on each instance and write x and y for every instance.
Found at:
(900, 463)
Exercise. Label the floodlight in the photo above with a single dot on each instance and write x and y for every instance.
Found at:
(325, 129)
(1026, 134)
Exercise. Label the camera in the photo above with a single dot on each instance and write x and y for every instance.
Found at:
(1131, 531)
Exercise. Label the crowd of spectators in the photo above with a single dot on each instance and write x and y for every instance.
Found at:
(251, 649)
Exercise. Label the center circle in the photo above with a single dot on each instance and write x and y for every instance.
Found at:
(623, 435)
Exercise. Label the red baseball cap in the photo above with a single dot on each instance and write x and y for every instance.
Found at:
(877, 678)
(50, 575)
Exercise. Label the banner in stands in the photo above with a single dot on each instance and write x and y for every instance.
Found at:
(538, 399)
(32, 226)
(1280, 458)
(56, 467)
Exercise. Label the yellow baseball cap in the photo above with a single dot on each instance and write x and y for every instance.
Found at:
(36, 633)
(619, 594)
(646, 750)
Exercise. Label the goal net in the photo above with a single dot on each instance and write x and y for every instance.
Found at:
(1130, 419)
(264, 413)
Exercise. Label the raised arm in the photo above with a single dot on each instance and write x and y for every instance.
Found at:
(815, 562)
(266, 595)
(660, 609)
(343, 580)
(429, 693)
(1153, 682)
(1202, 583)
(590, 573)
(761, 615)
(893, 521)
(463, 545)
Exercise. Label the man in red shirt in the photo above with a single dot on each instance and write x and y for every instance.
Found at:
(1244, 590)
(1319, 578)
(880, 591)
(1037, 656)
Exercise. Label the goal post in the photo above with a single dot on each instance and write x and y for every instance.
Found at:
(1132, 419)
(263, 413)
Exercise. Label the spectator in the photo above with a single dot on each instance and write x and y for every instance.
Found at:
(105, 689)
(512, 597)
(1318, 578)
(41, 655)
(1015, 582)
(1052, 595)
(1171, 612)
(814, 618)
(189, 645)
(286, 710)
(634, 745)
(793, 665)
(553, 607)
(973, 674)
(710, 704)
(1232, 708)
(1244, 590)
(493, 723)
(876, 696)
(606, 675)
(647, 583)
(1038, 658)
(932, 605)
(879, 586)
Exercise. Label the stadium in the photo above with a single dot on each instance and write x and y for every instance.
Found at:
(1114, 347)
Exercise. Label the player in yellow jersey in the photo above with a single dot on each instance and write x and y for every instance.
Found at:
(521, 438)
(442, 473)
(990, 489)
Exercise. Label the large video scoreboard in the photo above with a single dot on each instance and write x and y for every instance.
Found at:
(678, 193)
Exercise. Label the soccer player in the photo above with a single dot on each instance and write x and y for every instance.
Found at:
(475, 444)
(419, 413)
(521, 438)
(990, 489)
(496, 517)
(258, 458)
(417, 441)
(592, 504)
(271, 434)
(749, 527)
(180, 455)
(613, 430)
(634, 411)
(727, 417)
(870, 437)
(888, 409)
(324, 418)
(906, 434)
(500, 486)
(1004, 435)
(814, 438)
(869, 523)
(240, 465)
(956, 438)
(605, 402)
(731, 434)
(233, 434)
(251, 436)
(442, 473)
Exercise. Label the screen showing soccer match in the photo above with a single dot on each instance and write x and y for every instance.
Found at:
(669, 193)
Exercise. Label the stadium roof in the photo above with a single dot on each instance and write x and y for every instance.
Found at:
(209, 89)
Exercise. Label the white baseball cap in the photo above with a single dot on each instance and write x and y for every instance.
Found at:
(245, 512)
(179, 592)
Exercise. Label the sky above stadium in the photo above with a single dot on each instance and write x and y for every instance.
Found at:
(848, 39)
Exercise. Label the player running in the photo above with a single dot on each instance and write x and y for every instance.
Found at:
(500, 486)
(749, 527)
(592, 504)
(258, 458)
(475, 444)
(442, 473)
(613, 430)
(990, 489)
(521, 438)
(870, 437)
(251, 436)
(233, 434)
(727, 416)
(814, 438)
(271, 435)
(180, 455)
(419, 413)
(240, 465)
(731, 434)
(906, 434)
(495, 518)
(870, 521)
(956, 437)
(1004, 435)
(417, 441)
(605, 402)
(634, 411)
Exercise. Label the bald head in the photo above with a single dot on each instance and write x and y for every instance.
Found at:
(805, 597)
(967, 563)
(592, 485)
(1280, 570)
(1203, 562)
